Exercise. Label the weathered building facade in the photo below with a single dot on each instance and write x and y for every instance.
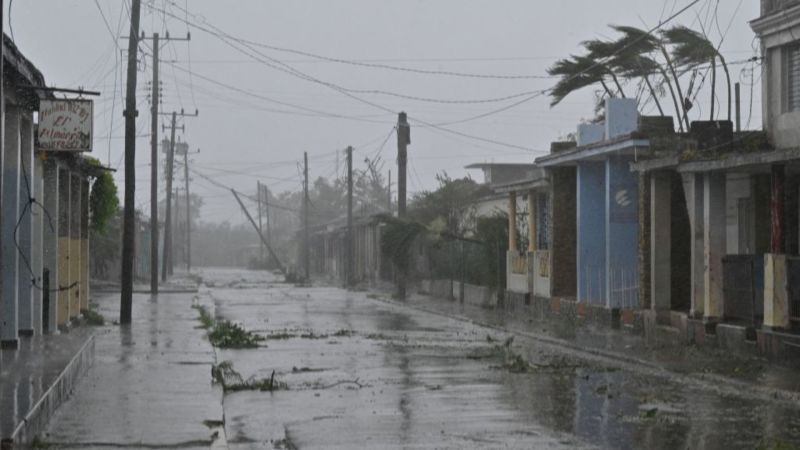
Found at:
(44, 216)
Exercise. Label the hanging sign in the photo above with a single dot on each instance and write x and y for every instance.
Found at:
(65, 125)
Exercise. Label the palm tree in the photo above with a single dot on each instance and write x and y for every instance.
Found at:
(576, 72)
(603, 54)
(692, 49)
(636, 42)
(627, 57)
(637, 66)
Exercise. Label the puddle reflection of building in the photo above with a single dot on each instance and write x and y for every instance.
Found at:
(404, 403)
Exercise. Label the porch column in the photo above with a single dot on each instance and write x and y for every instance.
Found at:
(36, 242)
(512, 222)
(64, 279)
(714, 242)
(9, 324)
(84, 245)
(693, 187)
(24, 234)
(50, 244)
(777, 243)
(532, 221)
(661, 241)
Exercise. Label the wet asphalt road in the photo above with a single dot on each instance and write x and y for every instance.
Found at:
(358, 370)
(364, 372)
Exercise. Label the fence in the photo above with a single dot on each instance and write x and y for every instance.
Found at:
(743, 288)
(470, 262)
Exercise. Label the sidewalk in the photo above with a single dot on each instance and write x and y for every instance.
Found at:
(37, 377)
(150, 385)
(753, 377)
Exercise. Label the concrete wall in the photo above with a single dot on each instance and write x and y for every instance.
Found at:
(622, 233)
(563, 272)
(622, 117)
(783, 126)
(479, 295)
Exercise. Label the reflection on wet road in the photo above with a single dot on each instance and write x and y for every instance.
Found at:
(364, 373)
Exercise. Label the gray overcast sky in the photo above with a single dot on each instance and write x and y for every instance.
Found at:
(244, 137)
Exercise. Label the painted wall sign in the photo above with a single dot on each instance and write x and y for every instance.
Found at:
(624, 203)
(65, 125)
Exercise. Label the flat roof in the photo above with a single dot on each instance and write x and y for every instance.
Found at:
(489, 165)
(569, 157)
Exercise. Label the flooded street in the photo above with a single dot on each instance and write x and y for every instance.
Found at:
(363, 372)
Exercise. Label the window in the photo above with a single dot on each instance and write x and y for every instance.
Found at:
(792, 78)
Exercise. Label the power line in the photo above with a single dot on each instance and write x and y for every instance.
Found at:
(226, 187)
(272, 100)
(385, 66)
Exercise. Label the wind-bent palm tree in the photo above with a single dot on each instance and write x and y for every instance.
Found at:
(691, 49)
(576, 72)
(637, 66)
(635, 41)
(603, 54)
(627, 56)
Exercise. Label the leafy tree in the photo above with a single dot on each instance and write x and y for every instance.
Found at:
(443, 209)
(103, 199)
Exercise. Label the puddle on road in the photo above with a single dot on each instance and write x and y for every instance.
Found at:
(403, 378)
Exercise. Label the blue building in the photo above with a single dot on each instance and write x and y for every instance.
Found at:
(607, 206)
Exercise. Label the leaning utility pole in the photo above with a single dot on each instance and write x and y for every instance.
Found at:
(350, 263)
(167, 257)
(261, 236)
(306, 243)
(403, 139)
(129, 222)
(154, 173)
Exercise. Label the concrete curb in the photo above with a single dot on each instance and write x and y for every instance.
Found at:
(37, 418)
(717, 383)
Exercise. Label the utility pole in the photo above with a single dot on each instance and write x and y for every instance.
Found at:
(261, 236)
(188, 210)
(168, 208)
(260, 215)
(154, 161)
(389, 194)
(350, 263)
(403, 139)
(266, 211)
(129, 222)
(306, 243)
(167, 263)
(154, 173)
(173, 248)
